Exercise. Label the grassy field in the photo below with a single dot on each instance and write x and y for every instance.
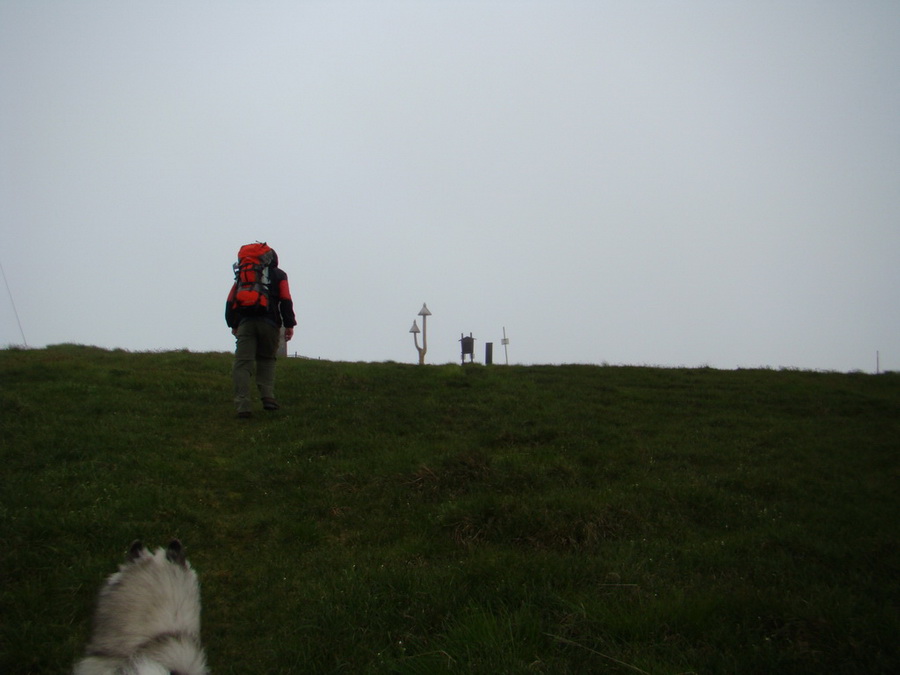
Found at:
(444, 519)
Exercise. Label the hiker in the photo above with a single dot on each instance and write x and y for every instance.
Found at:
(259, 303)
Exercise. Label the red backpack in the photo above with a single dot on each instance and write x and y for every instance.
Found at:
(252, 276)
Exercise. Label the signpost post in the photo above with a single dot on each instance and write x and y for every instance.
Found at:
(424, 313)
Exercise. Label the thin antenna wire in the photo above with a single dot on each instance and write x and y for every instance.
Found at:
(15, 311)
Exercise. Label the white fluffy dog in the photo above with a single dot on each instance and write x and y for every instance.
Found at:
(148, 618)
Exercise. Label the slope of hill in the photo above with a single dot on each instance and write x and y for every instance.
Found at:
(403, 519)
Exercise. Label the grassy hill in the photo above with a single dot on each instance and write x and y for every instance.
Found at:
(444, 519)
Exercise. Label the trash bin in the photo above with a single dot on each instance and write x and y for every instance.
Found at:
(467, 345)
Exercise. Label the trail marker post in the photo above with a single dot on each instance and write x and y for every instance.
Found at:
(424, 313)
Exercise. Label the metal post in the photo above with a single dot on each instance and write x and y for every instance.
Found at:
(505, 343)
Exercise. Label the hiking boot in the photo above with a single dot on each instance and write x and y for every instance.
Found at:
(270, 404)
(245, 415)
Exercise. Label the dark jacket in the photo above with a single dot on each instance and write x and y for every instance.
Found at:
(280, 311)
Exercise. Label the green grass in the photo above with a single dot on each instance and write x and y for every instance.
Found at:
(443, 519)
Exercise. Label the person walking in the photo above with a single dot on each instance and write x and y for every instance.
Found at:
(257, 329)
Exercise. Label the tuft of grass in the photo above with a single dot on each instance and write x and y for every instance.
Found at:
(445, 519)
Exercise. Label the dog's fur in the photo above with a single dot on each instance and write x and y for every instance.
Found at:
(148, 618)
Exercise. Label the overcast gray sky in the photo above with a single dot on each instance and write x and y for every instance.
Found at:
(630, 182)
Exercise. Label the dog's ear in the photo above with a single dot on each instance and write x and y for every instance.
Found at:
(134, 551)
(175, 553)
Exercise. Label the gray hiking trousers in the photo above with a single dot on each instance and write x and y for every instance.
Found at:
(257, 347)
